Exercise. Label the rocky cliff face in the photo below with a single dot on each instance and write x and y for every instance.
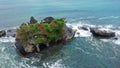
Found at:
(31, 47)
(33, 37)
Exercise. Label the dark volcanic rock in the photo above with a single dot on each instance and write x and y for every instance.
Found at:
(23, 24)
(102, 33)
(84, 28)
(8, 33)
(33, 20)
(69, 33)
(42, 46)
(32, 48)
(20, 48)
(11, 32)
(2, 33)
(115, 38)
(48, 19)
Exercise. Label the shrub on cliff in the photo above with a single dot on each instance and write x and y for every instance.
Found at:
(41, 32)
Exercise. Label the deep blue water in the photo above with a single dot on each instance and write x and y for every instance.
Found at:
(81, 52)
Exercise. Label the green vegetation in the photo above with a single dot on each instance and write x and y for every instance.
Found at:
(41, 32)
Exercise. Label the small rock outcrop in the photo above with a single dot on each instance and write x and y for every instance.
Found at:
(2, 33)
(102, 33)
(11, 32)
(83, 27)
(48, 19)
(33, 20)
(39, 36)
(8, 33)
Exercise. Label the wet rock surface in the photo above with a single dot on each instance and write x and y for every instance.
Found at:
(83, 27)
(102, 33)
(2, 33)
(69, 33)
(11, 32)
(8, 33)
(20, 48)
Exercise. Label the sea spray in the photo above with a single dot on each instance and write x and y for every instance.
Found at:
(87, 33)
(7, 39)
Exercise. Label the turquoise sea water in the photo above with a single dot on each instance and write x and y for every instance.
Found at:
(83, 51)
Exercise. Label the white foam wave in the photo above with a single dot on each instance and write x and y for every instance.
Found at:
(80, 32)
(117, 42)
(84, 33)
(7, 39)
(105, 40)
(109, 26)
(57, 64)
(81, 23)
(108, 17)
(111, 40)
(90, 17)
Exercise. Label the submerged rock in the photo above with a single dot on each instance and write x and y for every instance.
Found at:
(2, 33)
(102, 33)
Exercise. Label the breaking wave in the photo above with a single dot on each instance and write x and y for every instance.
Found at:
(86, 33)
(7, 39)
(109, 17)
(59, 63)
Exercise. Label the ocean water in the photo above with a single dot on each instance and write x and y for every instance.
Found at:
(84, 51)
